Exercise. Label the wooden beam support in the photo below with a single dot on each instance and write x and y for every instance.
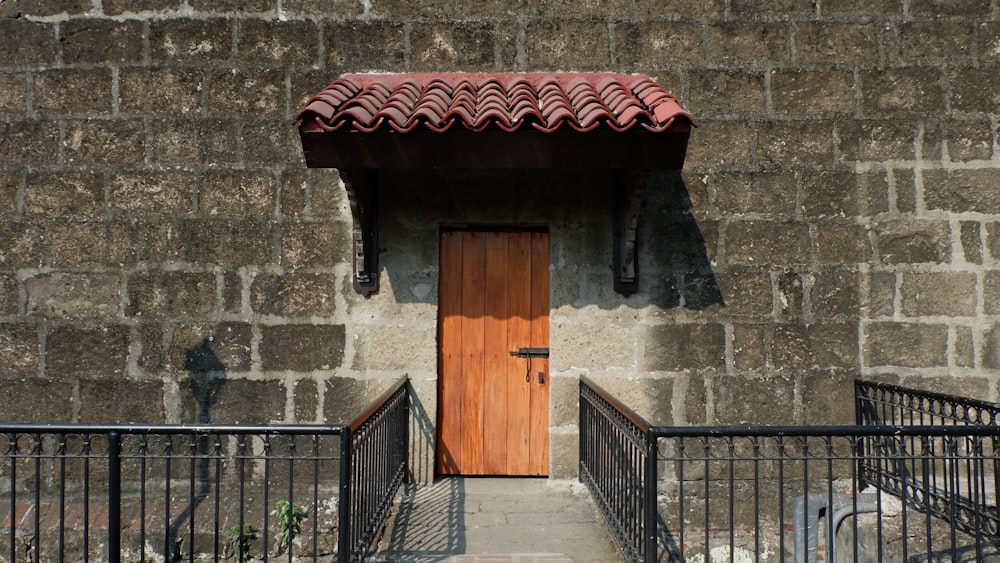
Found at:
(628, 189)
(361, 192)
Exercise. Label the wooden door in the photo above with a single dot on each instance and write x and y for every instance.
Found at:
(493, 407)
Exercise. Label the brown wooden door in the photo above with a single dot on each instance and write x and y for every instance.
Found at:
(493, 407)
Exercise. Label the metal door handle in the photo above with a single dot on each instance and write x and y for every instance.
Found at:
(541, 377)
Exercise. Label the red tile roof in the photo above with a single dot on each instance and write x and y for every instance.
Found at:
(507, 101)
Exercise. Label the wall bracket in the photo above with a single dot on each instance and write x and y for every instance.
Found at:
(361, 192)
(628, 189)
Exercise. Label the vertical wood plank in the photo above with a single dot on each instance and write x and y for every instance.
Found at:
(496, 356)
(449, 447)
(539, 447)
(518, 335)
(473, 329)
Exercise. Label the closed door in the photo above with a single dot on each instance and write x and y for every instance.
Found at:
(493, 396)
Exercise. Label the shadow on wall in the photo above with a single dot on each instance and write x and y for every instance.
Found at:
(674, 266)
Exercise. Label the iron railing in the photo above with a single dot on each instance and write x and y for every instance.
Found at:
(197, 493)
(758, 493)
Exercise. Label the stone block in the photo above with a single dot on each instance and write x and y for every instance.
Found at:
(651, 9)
(904, 184)
(315, 244)
(989, 42)
(613, 9)
(974, 89)
(327, 196)
(436, 9)
(302, 347)
(181, 142)
(29, 142)
(179, 90)
(828, 42)
(947, 8)
(749, 346)
(564, 454)
(648, 44)
(804, 143)
(681, 347)
(72, 91)
(905, 345)
(826, 398)
(257, 92)
(873, 193)
(902, 90)
(722, 92)
(25, 245)
(594, 345)
(65, 194)
(835, 294)
(294, 193)
(120, 400)
(972, 243)
(19, 348)
(10, 299)
(841, 243)
(75, 244)
(13, 92)
(579, 44)
(185, 40)
(720, 143)
(564, 393)
(218, 348)
(294, 295)
(271, 142)
(98, 40)
(116, 7)
(963, 191)
(457, 46)
(229, 6)
(171, 294)
(964, 347)
(746, 291)
(938, 293)
(505, 9)
(349, 45)
(789, 294)
(828, 193)
(10, 185)
(40, 400)
(79, 295)
(71, 351)
(237, 192)
(231, 242)
(345, 398)
(230, 400)
(876, 139)
(168, 192)
(912, 241)
(817, 346)
(152, 356)
(990, 349)
(862, 7)
(969, 139)
(881, 294)
(27, 42)
(111, 142)
(991, 292)
(650, 398)
(325, 8)
(232, 292)
(804, 93)
(763, 243)
(754, 400)
(306, 397)
(748, 41)
(937, 41)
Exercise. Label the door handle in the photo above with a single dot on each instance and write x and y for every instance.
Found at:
(541, 378)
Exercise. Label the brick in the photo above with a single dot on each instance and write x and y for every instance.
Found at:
(746, 292)
(720, 143)
(228, 242)
(85, 295)
(87, 242)
(679, 8)
(348, 46)
(818, 346)
(25, 245)
(877, 139)
(271, 142)
(649, 43)
(237, 192)
(326, 8)
(9, 297)
(768, 399)
(152, 192)
(839, 243)
(784, 143)
(223, 347)
(678, 347)
(726, 92)
(828, 194)
(805, 93)
(190, 40)
(63, 194)
(962, 191)
(171, 294)
(13, 91)
(823, 398)
(179, 90)
(18, 350)
(182, 142)
(789, 293)
(117, 7)
(749, 346)
(972, 245)
(905, 345)
(27, 42)
(583, 45)
(41, 400)
(302, 347)
(748, 41)
(452, 47)
(72, 351)
(96, 40)
(767, 242)
(913, 242)
(105, 141)
(29, 142)
(936, 41)
(974, 89)
(311, 244)
(294, 295)
(259, 92)
(938, 293)
(117, 401)
(278, 42)
(826, 42)
(834, 294)
(944, 8)
(73, 91)
(903, 90)
(229, 6)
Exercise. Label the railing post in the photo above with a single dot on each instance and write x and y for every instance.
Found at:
(344, 504)
(114, 497)
(649, 490)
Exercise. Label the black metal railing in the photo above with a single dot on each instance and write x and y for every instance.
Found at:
(187, 493)
(759, 493)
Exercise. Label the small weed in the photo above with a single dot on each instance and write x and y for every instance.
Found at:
(290, 517)
(238, 540)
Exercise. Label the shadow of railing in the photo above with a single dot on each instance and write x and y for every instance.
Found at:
(429, 525)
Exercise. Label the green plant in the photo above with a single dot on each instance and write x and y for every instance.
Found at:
(290, 517)
(238, 540)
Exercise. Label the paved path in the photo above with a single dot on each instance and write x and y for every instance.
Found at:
(501, 520)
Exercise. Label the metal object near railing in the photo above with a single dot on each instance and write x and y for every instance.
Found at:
(88, 492)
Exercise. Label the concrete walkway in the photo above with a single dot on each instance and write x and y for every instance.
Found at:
(498, 520)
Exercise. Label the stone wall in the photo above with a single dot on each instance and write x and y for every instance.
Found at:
(838, 214)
